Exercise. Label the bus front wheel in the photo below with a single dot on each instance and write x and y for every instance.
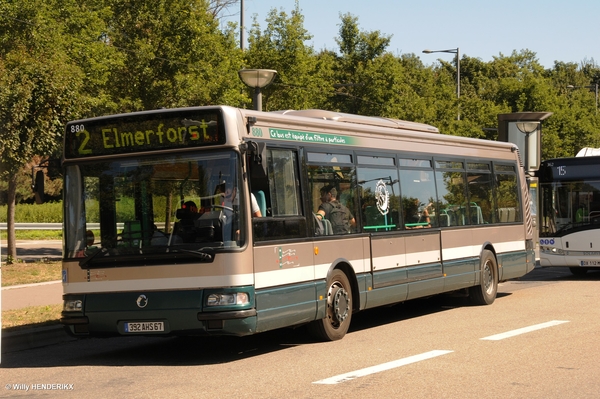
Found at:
(339, 309)
(485, 292)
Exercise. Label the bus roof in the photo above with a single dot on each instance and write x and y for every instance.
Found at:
(368, 127)
(360, 119)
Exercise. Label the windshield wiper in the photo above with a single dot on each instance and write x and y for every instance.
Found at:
(85, 261)
(205, 256)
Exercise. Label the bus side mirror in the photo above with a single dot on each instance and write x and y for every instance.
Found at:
(38, 187)
(258, 158)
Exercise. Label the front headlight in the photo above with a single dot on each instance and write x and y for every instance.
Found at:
(552, 250)
(228, 299)
(73, 305)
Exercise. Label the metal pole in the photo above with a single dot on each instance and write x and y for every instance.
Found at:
(458, 79)
(257, 99)
(596, 86)
(242, 33)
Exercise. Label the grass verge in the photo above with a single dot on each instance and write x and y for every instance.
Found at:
(30, 317)
(33, 316)
(29, 273)
(33, 235)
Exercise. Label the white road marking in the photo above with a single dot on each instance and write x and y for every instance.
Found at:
(524, 330)
(382, 367)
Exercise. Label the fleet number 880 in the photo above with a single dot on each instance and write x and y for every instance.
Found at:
(77, 128)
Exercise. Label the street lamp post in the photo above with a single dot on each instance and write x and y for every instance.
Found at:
(594, 86)
(451, 51)
(258, 79)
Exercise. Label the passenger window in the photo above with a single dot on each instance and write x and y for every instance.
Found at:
(278, 198)
(332, 187)
(507, 195)
(480, 198)
(452, 193)
(419, 207)
(379, 199)
(283, 183)
(480, 193)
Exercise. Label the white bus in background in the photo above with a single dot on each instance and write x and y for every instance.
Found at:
(569, 213)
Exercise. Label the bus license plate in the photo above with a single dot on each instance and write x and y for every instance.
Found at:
(143, 327)
(589, 263)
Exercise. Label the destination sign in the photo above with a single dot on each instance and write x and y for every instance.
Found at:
(143, 131)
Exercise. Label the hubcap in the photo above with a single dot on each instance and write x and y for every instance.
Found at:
(487, 277)
(338, 304)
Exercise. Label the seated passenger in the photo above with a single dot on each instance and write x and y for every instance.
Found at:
(190, 206)
(417, 215)
(158, 237)
(331, 209)
(255, 208)
(187, 215)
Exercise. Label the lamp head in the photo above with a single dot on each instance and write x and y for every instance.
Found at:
(257, 78)
(527, 127)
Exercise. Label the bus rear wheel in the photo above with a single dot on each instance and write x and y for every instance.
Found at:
(339, 309)
(485, 292)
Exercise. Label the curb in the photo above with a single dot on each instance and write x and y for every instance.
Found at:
(13, 287)
(15, 341)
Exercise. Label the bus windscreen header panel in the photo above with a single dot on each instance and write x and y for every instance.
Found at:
(144, 131)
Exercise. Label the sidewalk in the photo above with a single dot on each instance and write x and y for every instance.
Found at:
(40, 294)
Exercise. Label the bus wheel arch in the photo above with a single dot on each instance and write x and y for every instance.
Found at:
(485, 292)
(341, 302)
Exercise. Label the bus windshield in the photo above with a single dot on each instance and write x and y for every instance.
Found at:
(569, 206)
(140, 206)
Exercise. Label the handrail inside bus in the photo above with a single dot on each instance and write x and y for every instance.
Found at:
(421, 224)
(383, 226)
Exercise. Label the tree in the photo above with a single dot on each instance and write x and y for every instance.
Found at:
(173, 55)
(303, 79)
(40, 87)
(370, 82)
(35, 96)
(218, 7)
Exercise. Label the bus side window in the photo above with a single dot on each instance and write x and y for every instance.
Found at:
(280, 199)
(507, 198)
(379, 189)
(332, 191)
(419, 201)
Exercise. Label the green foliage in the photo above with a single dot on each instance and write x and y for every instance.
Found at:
(173, 54)
(303, 79)
(50, 212)
(68, 59)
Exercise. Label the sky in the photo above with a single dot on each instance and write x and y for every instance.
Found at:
(556, 30)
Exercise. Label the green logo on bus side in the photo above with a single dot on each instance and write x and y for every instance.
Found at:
(308, 137)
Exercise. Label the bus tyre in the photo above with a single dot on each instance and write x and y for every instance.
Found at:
(339, 309)
(485, 292)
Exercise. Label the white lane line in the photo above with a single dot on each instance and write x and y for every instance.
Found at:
(524, 330)
(382, 367)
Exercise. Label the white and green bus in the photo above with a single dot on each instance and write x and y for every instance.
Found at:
(206, 220)
(570, 213)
